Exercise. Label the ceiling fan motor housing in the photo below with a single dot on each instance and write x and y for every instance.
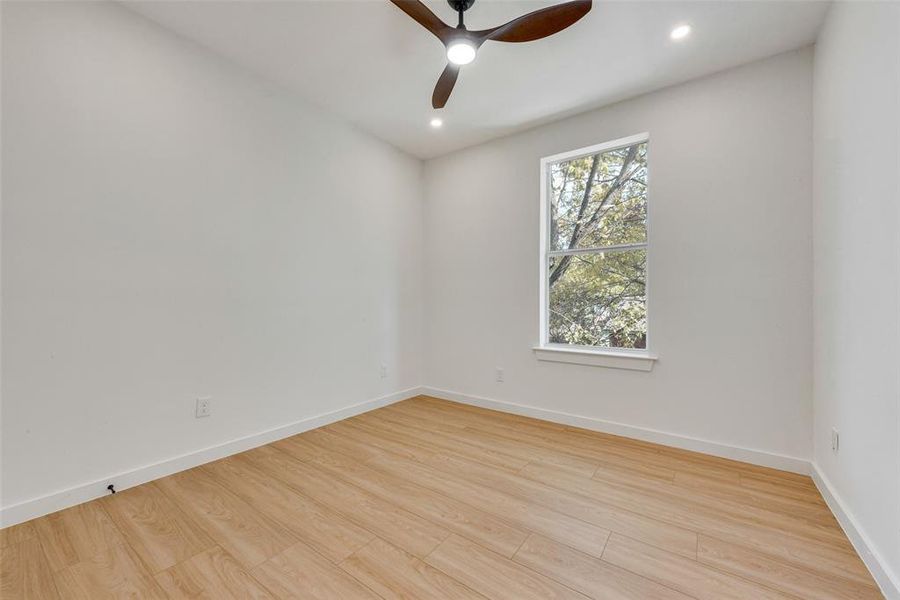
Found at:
(460, 5)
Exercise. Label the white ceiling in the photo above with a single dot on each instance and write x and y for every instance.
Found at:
(371, 64)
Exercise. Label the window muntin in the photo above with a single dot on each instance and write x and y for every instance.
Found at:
(595, 251)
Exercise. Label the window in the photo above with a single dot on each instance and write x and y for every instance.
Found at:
(594, 248)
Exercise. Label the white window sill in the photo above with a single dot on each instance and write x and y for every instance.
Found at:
(635, 361)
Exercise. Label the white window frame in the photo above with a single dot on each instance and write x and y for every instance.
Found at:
(622, 358)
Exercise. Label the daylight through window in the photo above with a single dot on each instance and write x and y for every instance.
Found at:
(595, 250)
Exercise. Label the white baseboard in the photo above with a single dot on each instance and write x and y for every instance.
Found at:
(887, 580)
(36, 507)
(756, 457)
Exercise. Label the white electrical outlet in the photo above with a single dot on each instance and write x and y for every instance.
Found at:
(499, 374)
(835, 440)
(204, 406)
(384, 371)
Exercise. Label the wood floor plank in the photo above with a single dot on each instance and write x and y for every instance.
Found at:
(813, 504)
(589, 575)
(154, 527)
(408, 408)
(627, 469)
(403, 428)
(521, 426)
(90, 557)
(826, 555)
(72, 535)
(455, 516)
(100, 581)
(361, 433)
(779, 574)
(514, 447)
(668, 536)
(782, 479)
(213, 575)
(431, 499)
(516, 511)
(600, 447)
(17, 533)
(396, 575)
(295, 445)
(780, 488)
(609, 442)
(518, 423)
(235, 525)
(299, 572)
(615, 448)
(342, 443)
(713, 491)
(665, 535)
(642, 460)
(651, 458)
(392, 523)
(329, 532)
(741, 467)
(685, 575)
(495, 576)
(25, 573)
(649, 500)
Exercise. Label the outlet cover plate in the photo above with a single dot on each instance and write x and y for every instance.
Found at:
(204, 407)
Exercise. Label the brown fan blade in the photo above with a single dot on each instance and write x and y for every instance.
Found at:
(424, 17)
(538, 24)
(444, 86)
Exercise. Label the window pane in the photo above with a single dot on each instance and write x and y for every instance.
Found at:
(599, 200)
(599, 299)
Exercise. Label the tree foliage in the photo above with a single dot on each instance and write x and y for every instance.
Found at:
(598, 293)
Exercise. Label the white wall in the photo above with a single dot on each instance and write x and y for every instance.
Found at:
(729, 265)
(173, 227)
(857, 268)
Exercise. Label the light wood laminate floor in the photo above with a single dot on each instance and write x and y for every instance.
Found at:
(431, 499)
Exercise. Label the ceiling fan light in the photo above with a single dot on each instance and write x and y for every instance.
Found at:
(461, 52)
(680, 32)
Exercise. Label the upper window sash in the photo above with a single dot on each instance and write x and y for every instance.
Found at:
(579, 183)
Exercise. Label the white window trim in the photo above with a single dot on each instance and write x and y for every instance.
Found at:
(621, 358)
(618, 358)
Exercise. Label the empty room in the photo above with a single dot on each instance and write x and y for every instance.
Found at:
(450, 299)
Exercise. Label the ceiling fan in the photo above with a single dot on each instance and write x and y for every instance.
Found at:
(463, 44)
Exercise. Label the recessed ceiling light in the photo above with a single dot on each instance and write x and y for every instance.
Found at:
(436, 122)
(680, 32)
